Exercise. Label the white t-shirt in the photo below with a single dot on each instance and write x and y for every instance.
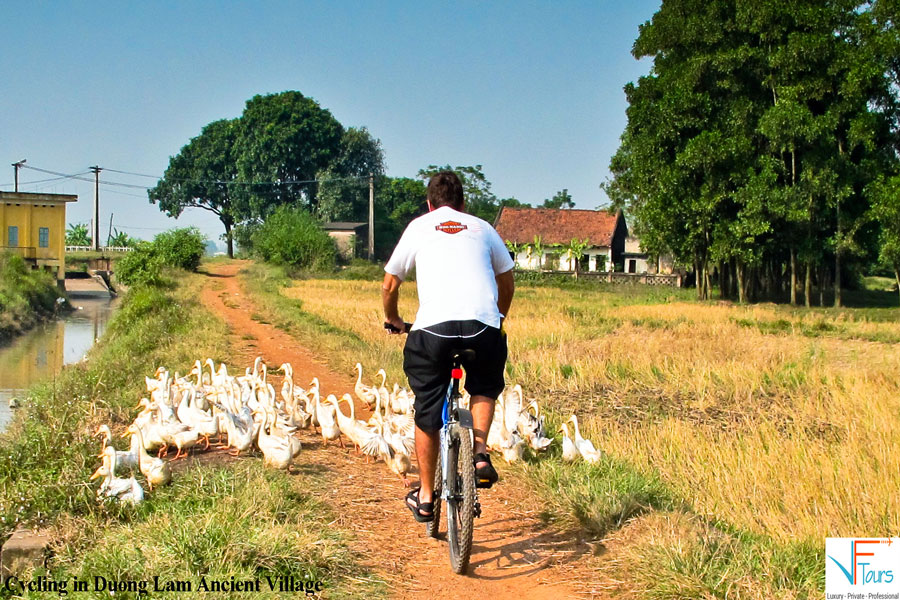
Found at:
(457, 257)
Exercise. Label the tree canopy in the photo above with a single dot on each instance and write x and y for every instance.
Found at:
(285, 149)
(241, 169)
(751, 142)
(204, 175)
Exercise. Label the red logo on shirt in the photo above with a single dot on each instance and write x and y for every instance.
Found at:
(450, 227)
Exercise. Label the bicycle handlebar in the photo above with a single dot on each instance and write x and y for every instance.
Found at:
(392, 329)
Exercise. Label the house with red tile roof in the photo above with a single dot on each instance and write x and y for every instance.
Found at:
(538, 237)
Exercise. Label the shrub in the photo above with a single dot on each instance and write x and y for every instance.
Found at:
(181, 248)
(141, 265)
(292, 237)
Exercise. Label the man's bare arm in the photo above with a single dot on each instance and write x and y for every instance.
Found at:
(390, 294)
(506, 287)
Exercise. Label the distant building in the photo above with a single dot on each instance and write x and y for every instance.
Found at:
(34, 227)
(635, 260)
(638, 261)
(605, 234)
(347, 237)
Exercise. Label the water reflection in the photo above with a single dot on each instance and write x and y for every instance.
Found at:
(44, 350)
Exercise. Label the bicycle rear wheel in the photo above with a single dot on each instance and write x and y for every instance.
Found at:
(432, 527)
(461, 503)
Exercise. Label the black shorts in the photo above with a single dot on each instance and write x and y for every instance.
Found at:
(427, 360)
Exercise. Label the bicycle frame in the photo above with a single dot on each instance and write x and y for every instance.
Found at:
(455, 420)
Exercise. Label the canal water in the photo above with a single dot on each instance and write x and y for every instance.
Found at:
(43, 351)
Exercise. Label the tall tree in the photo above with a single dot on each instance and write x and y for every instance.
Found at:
(344, 186)
(283, 141)
(204, 175)
(753, 137)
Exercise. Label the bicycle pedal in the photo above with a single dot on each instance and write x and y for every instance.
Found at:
(478, 509)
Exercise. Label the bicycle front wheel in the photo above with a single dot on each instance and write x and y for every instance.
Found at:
(461, 504)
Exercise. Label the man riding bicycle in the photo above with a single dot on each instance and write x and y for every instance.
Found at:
(465, 285)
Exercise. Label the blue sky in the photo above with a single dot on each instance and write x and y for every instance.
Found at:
(531, 91)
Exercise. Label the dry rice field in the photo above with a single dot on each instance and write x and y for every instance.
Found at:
(779, 423)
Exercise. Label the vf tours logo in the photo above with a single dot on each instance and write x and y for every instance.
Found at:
(862, 568)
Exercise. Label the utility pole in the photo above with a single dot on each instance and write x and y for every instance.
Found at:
(16, 167)
(96, 224)
(371, 216)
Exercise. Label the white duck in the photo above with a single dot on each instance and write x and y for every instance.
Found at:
(531, 426)
(156, 470)
(326, 417)
(570, 452)
(394, 454)
(585, 447)
(124, 490)
(358, 431)
(364, 392)
(241, 430)
(204, 424)
(276, 449)
(124, 459)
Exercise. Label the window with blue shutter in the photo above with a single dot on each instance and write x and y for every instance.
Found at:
(44, 237)
(13, 236)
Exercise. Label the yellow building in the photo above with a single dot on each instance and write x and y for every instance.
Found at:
(34, 227)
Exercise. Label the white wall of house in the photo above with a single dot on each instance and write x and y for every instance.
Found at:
(530, 262)
(636, 264)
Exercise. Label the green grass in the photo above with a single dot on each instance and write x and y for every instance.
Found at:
(238, 519)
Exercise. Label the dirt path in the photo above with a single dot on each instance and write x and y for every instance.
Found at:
(514, 556)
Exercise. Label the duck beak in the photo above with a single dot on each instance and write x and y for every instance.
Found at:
(96, 474)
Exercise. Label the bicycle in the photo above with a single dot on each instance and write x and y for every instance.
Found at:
(454, 477)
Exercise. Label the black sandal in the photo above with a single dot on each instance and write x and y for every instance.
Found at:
(419, 508)
(487, 476)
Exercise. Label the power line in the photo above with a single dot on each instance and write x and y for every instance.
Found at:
(45, 180)
(220, 182)
(79, 177)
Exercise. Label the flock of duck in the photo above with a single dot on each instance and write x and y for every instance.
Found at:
(244, 413)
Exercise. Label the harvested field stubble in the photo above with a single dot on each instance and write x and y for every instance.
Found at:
(767, 420)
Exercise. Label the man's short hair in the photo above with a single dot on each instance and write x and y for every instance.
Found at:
(445, 189)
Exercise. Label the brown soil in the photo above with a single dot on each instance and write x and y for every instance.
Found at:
(515, 556)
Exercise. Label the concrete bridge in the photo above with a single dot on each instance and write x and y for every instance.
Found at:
(94, 282)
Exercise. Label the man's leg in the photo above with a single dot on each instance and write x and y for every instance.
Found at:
(482, 415)
(427, 450)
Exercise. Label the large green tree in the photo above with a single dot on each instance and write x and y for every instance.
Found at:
(284, 140)
(344, 186)
(750, 143)
(204, 175)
